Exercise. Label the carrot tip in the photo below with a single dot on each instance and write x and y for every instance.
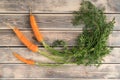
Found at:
(8, 25)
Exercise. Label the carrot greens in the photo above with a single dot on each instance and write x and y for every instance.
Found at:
(91, 45)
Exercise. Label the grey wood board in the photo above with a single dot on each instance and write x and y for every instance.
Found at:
(48, 21)
(10, 39)
(7, 56)
(54, 6)
(17, 71)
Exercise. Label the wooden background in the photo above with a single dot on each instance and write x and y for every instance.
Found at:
(54, 19)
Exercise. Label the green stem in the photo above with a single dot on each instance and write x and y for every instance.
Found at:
(45, 45)
(51, 50)
(52, 57)
(51, 64)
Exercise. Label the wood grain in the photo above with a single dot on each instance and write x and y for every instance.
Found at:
(54, 20)
(7, 57)
(54, 6)
(49, 21)
(21, 71)
(50, 36)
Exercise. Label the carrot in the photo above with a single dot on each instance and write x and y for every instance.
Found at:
(35, 28)
(27, 61)
(36, 31)
(24, 40)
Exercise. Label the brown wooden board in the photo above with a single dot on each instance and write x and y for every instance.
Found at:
(8, 38)
(54, 6)
(7, 56)
(22, 71)
(48, 21)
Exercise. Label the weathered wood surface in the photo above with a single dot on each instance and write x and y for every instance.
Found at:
(105, 71)
(53, 25)
(50, 36)
(54, 6)
(7, 57)
(49, 21)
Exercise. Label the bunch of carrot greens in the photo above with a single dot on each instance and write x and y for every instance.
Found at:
(92, 43)
(90, 46)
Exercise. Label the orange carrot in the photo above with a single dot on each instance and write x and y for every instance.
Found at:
(27, 61)
(24, 40)
(36, 31)
(35, 28)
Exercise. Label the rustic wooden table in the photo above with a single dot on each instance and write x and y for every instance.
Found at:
(54, 19)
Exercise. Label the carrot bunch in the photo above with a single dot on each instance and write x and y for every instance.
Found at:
(32, 46)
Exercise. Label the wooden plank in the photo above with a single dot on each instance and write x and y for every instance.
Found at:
(50, 36)
(48, 21)
(114, 39)
(7, 57)
(45, 21)
(21, 71)
(53, 6)
(114, 6)
(117, 20)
